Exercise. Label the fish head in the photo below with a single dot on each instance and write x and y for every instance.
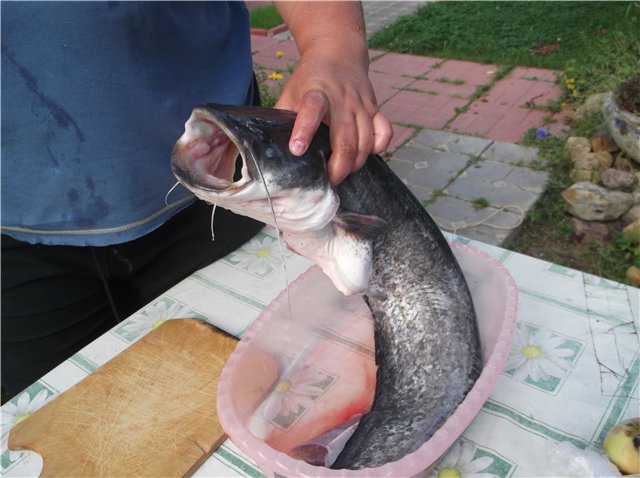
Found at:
(238, 157)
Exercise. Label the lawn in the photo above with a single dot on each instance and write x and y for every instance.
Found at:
(593, 45)
(265, 17)
(542, 34)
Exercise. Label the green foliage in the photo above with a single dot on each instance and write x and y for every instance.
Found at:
(537, 34)
(481, 203)
(265, 17)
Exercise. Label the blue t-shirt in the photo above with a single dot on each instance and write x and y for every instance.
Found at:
(94, 96)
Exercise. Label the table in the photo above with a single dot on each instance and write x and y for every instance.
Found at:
(572, 373)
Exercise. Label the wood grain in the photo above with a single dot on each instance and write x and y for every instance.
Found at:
(149, 411)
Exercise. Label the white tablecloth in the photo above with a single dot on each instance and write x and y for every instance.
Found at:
(572, 373)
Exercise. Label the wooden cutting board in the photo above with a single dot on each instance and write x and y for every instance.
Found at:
(149, 411)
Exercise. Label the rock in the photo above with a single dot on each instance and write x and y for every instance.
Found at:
(635, 194)
(617, 180)
(602, 141)
(587, 165)
(632, 215)
(631, 232)
(585, 160)
(591, 202)
(605, 159)
(622, 163)
(576, 145)
(633, 275)
(591, 106)
(623, 126)
(589, 228)
(579, 175)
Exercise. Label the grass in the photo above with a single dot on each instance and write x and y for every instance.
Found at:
(594, 45)
(265, 17)
(539, 34)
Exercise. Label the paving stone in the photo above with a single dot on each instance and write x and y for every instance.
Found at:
(441, 87)
(489, 170)
(528, 179)
(401, 134)
(534, 74)
(472, 122)
(472, 73)
(408, 65)
(422, 109)
(448, 162)
(509, 91)
(387, 85)
(456, 215)
(421, 193)
(470, 188)
(380, 14)
(511, 195)
(430, 178)
(402, 168)
(513, 126)
(542, 94)
(511, 153)
(455, 143)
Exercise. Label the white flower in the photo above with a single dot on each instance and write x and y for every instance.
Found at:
(459, 462)
(258, 257)
(294, 393)
(25, 406)
(154, 315)
(537, 354)
(14, 414)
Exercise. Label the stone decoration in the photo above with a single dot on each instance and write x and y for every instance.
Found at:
(591, 202)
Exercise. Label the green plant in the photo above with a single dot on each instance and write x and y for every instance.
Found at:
(538, 34)
(481, 203)
(265, 17)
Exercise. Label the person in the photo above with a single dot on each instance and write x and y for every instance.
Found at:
(95, 94)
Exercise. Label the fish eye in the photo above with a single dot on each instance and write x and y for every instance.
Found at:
(270, 153)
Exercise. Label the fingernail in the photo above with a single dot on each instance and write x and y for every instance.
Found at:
(297, 147)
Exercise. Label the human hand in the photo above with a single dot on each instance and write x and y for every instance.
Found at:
(330, 84)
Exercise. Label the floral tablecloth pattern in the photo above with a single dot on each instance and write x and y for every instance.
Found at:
(572, 373)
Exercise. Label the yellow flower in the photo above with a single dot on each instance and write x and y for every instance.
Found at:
(275, 76)
(279, 54)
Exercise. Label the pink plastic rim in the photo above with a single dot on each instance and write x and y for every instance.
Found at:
(272, 461)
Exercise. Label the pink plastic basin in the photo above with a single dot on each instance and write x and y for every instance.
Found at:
(307, 364)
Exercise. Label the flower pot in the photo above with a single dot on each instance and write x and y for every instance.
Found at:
(623, 126)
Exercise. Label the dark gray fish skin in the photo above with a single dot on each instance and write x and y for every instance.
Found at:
(426, 336)
(427, 344)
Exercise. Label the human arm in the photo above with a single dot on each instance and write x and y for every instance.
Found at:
(330, 84)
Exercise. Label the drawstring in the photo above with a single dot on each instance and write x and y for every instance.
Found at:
(107, 289)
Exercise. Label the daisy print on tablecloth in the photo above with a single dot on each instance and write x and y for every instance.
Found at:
(541, 357)
(15, 411)
(151, 317)
(295, 393)
(260, 256)
(465, 459)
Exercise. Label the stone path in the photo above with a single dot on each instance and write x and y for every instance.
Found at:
(457, 127)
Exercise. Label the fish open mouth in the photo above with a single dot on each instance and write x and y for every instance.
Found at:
(208, 156)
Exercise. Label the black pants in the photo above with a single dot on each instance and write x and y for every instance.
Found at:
(57, 299)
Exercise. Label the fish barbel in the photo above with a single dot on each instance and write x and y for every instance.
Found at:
(371, 236)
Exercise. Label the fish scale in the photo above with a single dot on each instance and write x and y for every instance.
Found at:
(427, 314)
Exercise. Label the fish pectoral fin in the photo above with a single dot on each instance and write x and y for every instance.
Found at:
(360, 225)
